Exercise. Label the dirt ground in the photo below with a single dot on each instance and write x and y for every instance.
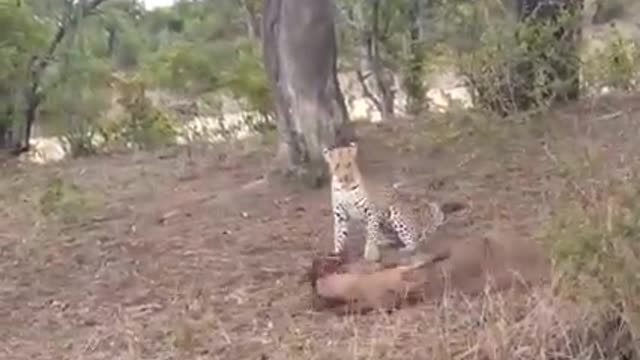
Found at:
(158, 256)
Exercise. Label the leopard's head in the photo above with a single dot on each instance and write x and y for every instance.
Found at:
(342, 164)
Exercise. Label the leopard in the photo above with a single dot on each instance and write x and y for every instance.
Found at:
(376, 205)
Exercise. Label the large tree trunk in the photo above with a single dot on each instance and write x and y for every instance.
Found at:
(562, 82)
(299, 48)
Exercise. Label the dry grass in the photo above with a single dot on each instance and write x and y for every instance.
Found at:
(167, 256)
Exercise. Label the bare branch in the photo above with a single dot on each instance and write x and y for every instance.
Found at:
(362, 79)
(342, 12)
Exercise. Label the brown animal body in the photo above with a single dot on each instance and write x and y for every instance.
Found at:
(364, 285)
(499, 260)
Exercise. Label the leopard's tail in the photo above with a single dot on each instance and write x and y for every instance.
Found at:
(440, 214)
(428, 259)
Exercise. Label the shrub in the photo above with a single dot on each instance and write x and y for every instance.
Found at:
(616, 65)
(142, 125)
(508, 73)
(595, 250)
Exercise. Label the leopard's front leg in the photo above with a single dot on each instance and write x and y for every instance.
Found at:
(340, 228)
(374, 237)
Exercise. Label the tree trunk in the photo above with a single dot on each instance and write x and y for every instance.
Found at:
(5, 136)
(370, 64)
(299, 49)
(384, 80)
(31, 113)
(253, 20)
(111, 40)
(413, 82)
(371, 61)
(562, 82)
(7, 124)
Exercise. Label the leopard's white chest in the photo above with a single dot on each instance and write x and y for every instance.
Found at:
(354, 202)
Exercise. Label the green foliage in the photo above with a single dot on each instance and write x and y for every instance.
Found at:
(21, 34)
(200, 48)
(143, 125)
(193, 68)
(246, 79)
(487, 69)
(595, 249)
(616, 65)
(508, 73)
(75, 106)
(129, 49)
(210, 56)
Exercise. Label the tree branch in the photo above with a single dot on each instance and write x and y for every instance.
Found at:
(348, 19)
(362, 79)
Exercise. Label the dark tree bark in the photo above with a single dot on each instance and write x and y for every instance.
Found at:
(413, 82)
(299, 49)
(112, 36)
(7, 139)
(563, 63)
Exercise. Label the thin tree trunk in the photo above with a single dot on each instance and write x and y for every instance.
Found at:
(7, 140)
(371, 63)
(31, 113)
(299, 48)
(384, 81)
(253, 21)
(4, 136)
(413, 83)
(111, 40)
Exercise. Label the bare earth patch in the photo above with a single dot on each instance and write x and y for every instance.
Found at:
(149, 256)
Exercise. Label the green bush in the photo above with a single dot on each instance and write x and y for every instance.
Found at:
(616, 65)
(595, 249)
(521, 66)
(142, 125)
(74, 107)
